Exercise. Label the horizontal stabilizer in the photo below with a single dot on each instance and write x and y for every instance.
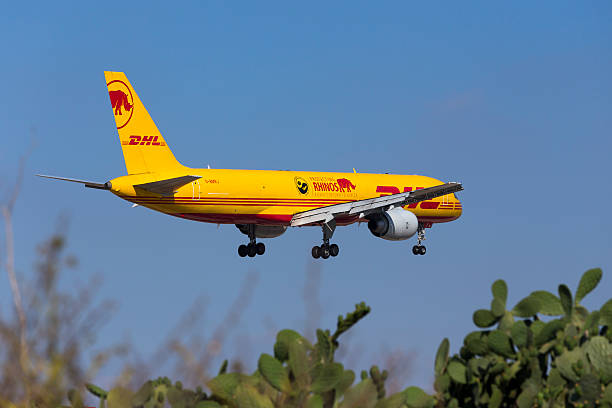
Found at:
(90, 184)
(167, 187)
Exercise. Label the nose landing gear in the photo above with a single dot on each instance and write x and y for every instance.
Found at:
(419, 249)
(252, 248)
(326, 249)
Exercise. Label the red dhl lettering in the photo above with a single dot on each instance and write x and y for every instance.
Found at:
(136, 140)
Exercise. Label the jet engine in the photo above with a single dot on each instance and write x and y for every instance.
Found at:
(263, 231)
(395, 224)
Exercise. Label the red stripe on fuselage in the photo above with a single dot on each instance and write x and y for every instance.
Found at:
(280, 219)
(260, 219)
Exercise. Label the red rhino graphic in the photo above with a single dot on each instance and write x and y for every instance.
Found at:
(346, 184)
(118, 100)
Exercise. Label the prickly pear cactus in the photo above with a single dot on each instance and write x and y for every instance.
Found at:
(546, 351)
(299, 374)
(524, 360)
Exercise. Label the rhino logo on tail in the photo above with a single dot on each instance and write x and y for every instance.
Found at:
(346, 184)
(122, 102)
(119, 100)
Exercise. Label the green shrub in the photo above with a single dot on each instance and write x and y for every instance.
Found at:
(519, 360)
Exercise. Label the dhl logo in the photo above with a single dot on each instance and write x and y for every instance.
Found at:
(426, 205)
(143, 141)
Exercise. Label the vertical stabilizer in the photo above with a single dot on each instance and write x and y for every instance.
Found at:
(144, 148)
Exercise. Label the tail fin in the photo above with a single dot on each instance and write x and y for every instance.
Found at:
(144, 148)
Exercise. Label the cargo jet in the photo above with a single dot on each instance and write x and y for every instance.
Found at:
(261, 203)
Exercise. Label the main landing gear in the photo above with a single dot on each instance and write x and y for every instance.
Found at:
(326, 249)
(419, 249)
(252, 248)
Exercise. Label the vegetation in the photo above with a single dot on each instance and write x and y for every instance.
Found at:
(518, 360)
(521, 360)
(60, 332)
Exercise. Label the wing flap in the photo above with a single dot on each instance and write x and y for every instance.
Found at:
(369, 205)
(167, 187)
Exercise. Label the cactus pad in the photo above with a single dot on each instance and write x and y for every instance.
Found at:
(484, 318)
(274, 372)
(520, 333)
(441, 357)
(606, 314)
(499, 289)
(326, 376)
(550, 305)
(549, 331)
(476, 343)
(566, 299)
(283, 339)
(589, 280)
(457, 372)
(527, 307)
(599, 352)
(417, 398)
(500, 343)
(498, 307)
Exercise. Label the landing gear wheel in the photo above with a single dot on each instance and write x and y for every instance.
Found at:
(243, 251)
(316, 253)
(416, 250)
(252, 250)
(324, 251)
(422, 250)
(261, 248)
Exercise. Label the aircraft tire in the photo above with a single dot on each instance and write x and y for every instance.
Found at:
(252, 250)
(261, 248)
(334, 250)
(416, 250)
(316, 254)
(324, 252)
(422, 250)
(243, 251)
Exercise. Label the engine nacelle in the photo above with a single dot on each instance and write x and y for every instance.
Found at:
(263, 231)
(395, 224)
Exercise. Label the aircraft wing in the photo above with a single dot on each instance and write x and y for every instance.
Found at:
(370, 205)
(167, 187)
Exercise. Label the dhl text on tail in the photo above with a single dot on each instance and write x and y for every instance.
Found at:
(262, 204)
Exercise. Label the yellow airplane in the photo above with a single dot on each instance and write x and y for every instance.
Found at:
(261, 203)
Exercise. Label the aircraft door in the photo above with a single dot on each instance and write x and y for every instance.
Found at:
(196, 191)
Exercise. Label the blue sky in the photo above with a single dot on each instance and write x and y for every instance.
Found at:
(513, 100)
